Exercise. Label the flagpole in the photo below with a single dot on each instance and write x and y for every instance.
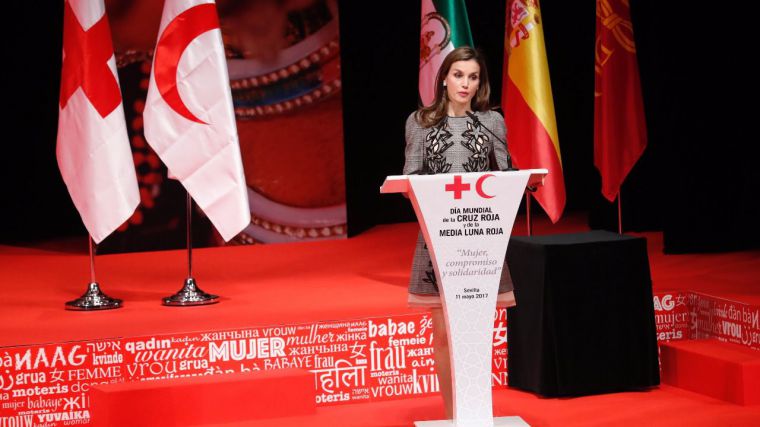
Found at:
(90, 245)
(190, 294)
(94, 298)
(189, 235)
(529, 224)
(620, 213)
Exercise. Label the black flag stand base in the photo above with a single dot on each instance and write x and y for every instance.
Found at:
(190, 294)
(93, 299)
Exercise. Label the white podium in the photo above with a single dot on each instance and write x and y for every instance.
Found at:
(466, 220)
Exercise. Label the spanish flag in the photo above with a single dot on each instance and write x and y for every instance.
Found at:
(528, 104)
(620, 133)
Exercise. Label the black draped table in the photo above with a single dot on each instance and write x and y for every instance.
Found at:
(584, 320)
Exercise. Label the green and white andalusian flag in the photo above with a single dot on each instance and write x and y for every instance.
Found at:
(444, 28)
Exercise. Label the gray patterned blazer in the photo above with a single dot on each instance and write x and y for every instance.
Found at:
(454, 146)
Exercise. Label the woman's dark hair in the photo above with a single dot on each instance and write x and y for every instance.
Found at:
(435, 112)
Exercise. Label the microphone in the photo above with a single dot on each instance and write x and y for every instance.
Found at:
(476, 121)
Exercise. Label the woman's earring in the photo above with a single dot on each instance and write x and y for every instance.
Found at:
(444, 84)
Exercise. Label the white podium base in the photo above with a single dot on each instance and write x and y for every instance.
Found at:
(497, 422)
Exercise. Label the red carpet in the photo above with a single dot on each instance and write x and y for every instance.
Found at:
(213, 399)
(259, 285)
(293, 279)
(291, 283)
(731, 275)
(664, 406)
(336, 280)
(728, 372)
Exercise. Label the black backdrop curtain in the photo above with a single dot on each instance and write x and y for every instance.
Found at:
(697, 180)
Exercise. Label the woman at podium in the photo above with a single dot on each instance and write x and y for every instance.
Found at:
(453, 135)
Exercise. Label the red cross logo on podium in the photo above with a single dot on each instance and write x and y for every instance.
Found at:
(458, 187)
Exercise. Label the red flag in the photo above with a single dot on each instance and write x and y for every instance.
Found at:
(93, 147)
(620, 135)
(529, 105)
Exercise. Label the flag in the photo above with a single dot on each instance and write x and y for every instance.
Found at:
(444, 28)
(189, 117)
(620, 135)
(93, 147)
(528, 104)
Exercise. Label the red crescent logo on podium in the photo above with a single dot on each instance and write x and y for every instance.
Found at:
(479, 186)
(180, 32)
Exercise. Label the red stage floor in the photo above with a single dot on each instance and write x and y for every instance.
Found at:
(663, 406)
(335, 280)
(364, 276)
(260, 285)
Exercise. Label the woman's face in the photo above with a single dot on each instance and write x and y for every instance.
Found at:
(462, 82)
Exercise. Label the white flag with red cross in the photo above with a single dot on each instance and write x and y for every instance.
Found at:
(93, 147)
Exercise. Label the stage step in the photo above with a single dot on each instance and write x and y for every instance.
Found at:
(209, 399)
(725, 371)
